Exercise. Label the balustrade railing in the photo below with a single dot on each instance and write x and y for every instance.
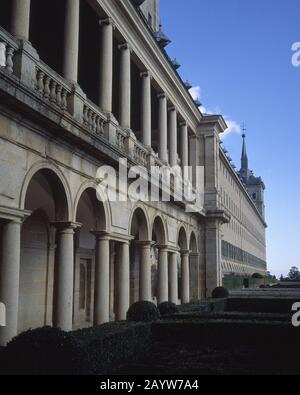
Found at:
(140, 154)
(52, 87)
(8, 47)
(93, 118)
(121, 137)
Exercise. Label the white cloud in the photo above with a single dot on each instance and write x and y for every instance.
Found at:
(196, 92)
(233, 126)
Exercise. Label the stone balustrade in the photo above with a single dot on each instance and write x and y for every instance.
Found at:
(140, 154)
(93, 119)
(8, 47)
(52, 87)
(121, 137)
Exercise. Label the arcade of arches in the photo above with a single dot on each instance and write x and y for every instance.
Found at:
(62, 266)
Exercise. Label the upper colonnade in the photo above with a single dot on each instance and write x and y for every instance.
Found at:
(176, 116)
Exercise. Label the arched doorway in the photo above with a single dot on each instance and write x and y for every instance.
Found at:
(90, 215)
(140, 258)
(47, 201)
(159, 262)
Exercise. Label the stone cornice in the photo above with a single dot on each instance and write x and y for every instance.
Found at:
(144, 45)
(212, 124)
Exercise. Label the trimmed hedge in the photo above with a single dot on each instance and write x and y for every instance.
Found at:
(269, 335)
(97, 350)
(143, 312)
(45, 351)
(167, 308)
(261, 305)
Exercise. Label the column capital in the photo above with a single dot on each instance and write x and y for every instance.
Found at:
(172, 108)
(66, 225)
(100, 234)
(162, 95)
(8, 214)
(146, 74)
(125, 46)
(182, 123)
(185, 252)
(107, 22)
(144, 244)
(163, 248)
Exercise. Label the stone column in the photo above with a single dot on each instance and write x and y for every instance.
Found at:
(123, 281)
(163, 127)
(106, 68)
(146, 108)
(112, 282)
(71, 40)
(20, 19)
(101, 295)
(163, 286)
(184, 146)
(125, 86)
(195, 283)
(145, 271)
(173, 278)
(64, 276)
(185, 277)
(9, 278)
(172, 136)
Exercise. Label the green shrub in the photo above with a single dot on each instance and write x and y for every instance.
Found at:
(45, 351)
(220, 293)
(168, 308)
(97, 350)
(143, 312)
(113, 344)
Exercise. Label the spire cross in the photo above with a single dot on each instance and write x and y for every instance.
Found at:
(244, 129)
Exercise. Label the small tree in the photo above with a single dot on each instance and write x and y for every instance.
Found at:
(294, 274)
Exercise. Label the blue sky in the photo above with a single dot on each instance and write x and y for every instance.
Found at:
(239, 54)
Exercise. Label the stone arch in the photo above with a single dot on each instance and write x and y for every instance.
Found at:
(139, 224)
(60, 186)
(182, 239)
(160, 230)
(193, 243)
(90, 213)
(45, 193)
(160, 240)
(139, 229)
(99, 203)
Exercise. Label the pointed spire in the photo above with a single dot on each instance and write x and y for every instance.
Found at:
(244, 158)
